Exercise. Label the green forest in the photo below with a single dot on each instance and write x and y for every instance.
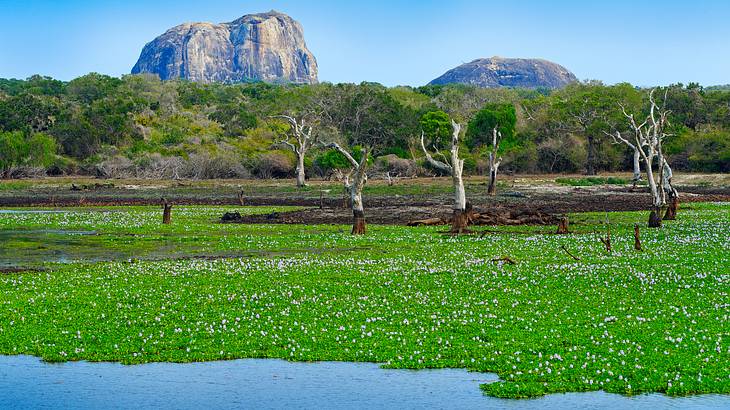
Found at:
(137, 126)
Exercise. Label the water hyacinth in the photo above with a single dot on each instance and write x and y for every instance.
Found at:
(627, 322)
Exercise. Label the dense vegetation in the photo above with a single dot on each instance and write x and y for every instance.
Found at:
(625, 322)
(140, 126)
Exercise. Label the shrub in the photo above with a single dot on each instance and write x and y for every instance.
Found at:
(397, 166)
(274, 165)
(591, 181)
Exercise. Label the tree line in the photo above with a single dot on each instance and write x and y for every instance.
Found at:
(139, 126)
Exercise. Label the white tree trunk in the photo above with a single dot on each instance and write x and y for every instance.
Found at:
(493, 169)
(637, 166)
(301, 179)
(667, 179)
(655, 194)
(494, 162)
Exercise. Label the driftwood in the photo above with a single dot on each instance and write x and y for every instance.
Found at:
(505, 259)
(427, 222)
(607, 240)
(494, 216)
(568, 252)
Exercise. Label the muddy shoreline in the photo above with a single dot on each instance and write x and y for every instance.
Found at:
(547, 201)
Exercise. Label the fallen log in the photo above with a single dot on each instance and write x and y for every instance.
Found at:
(427, 222)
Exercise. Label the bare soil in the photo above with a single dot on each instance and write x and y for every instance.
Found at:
(535, 199)
(534, 208)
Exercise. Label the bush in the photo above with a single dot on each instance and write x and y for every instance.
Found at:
(591, 181)
(21, 155)
(397, 166)
(702, 151)
(274, 165)
(116, 167)
(205, 165)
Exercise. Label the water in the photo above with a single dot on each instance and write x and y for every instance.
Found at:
(27, 382)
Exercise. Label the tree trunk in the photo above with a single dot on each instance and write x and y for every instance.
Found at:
(460, 222)
(655, 194)
(655, 219)
(358, 223)
(358, 213)
(563, 226)
(492, 189)
(590, 161)
(672, 194)
(637, 167)
(673, 206)
(637, 238)
(461, 218)
(301, 182)
(166, 212)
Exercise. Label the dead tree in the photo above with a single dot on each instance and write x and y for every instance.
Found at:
(166, 212)
(354, 187)
(494, 162)
(647, 139)
(455, 168)
(301, 135)
(671, 192)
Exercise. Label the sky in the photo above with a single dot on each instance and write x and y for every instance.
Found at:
(396, 42)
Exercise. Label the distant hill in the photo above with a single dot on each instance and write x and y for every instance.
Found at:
(725, 87)
(260, 47)
(508, 72)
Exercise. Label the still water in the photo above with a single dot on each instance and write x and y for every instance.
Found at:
(27, 382)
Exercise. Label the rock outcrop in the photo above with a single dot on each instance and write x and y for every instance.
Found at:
(257, 47)
(508, 72)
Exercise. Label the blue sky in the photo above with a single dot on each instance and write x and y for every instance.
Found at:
(393, 42)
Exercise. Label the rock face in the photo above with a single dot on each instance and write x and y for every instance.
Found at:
(257, 47)
(508, 72)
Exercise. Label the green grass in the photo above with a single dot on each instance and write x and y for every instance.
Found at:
(15, 185)
(591, 181)
(627, 322)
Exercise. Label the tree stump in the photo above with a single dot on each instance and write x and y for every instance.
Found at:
(166, 212)
(240, 198)
(358, 223)
(460, 221)
(563, 226)
(671, 213)
(655, 220)
(637, 239)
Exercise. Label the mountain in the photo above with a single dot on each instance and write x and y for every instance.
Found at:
(508, 72)
(257, 47)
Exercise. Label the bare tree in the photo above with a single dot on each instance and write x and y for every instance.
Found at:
(354, 187)
(494, 162)
(454, 167)
(647, 139)
(299, 140)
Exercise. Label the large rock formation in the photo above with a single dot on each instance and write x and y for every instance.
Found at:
(508, 72)
(266, 47)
